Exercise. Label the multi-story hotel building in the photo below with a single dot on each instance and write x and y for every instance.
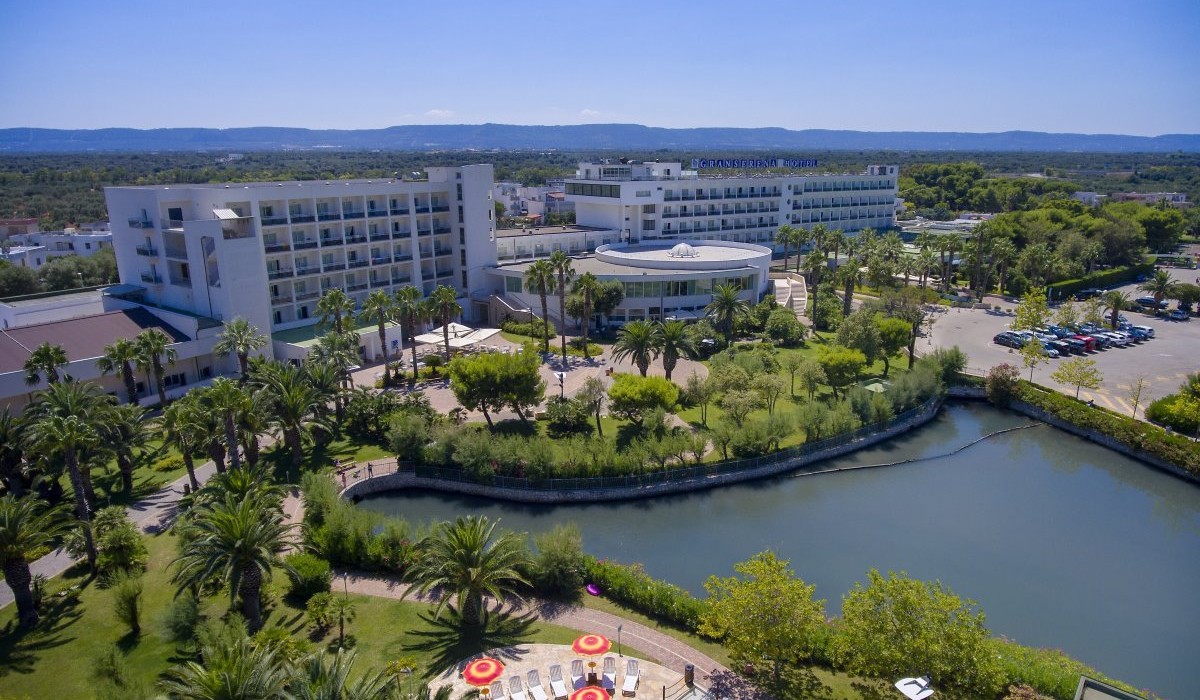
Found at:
(267, 251)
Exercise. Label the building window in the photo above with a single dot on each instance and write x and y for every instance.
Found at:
(512, 284)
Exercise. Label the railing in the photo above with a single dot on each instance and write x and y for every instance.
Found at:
(308, 270)
(176, 253)
(357, 263)
(352, 215)
(330, 267)
(303, 218)
(329, 216)
(444, 273)
(381, 261)
(278, 274)
(377, 212)
(441, 207)
(401, 258)
(151, 278)
(402, 280)
(305, 296)
(280, 300)
(274, 220)
(147, 251)
(176, 224)
(443, 251)
(397, 235)
(356, 287)
(380, 236)
(380, 282)
(331, 241)
(304, 245)
(399, 212)
(422, 210)
(138, 222)
(444, 229)
(277, 247)
(424, 232)
(356, 238)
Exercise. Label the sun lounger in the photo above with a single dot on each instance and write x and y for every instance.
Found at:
(497, 691)
(515, 690)
(577, 680)
(533, 683)
(632, 676)
(557, 686)
(609, 678)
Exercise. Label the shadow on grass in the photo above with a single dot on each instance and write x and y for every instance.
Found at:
(19, 648)
(449, 640)
(513, 426)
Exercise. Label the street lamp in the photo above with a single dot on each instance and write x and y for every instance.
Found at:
(619, 641)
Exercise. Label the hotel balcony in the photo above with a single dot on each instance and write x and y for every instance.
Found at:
(357, 286)
(402, 257)
(380, 282)
(305, 296)
(274, 220)
(138, 222)
(442, 274)
(376, 212)
(353, 214)
(397, 235)
(381, 261)
(358, 263)
(398, 211)
(405, 279)
(441, 207)
(304, 244)
(331, 241)
(329, 216)
(172, 224)
(424, 232)
(444, 229)
(147, 251)
(303, 218)
(356, 238)
(380, 236)
(330, 267)
(151, 278)
(422, 210)
(279, 274)
(443, 251)
(306, 270)
(280, 300)
(277, 247)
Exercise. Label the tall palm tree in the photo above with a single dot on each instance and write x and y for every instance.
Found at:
(817, 236)
(333, 306)
(411, 312)
(185, 430)
(325, 378)
(1004, 253)
(294, 401)
(1160, 285)
(1115, 301)
(786, 236)
(233, 668)
(674, 342)
(154, 348)
(121, 356)
(726, 306)
(70, 436)
(326, 677)
(242, 338)
(539, 278)
(589, 287)
(926, 261)
(45, 360)
(850, 275)
(564, 272)
(816, 264)
(251, 423)
(378, 308)
(835, 240)
(26, 525)
(208, 426)
(637, 340)
(238, 540)
(468, 560)
(445, 300)
(340, 353)
(124, 430)
(228, 400)
(12, 453)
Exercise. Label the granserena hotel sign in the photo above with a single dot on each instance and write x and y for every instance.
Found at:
(707, 163)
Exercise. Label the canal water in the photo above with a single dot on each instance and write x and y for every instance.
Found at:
(1063, 543)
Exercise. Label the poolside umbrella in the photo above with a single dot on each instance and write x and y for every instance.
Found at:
(591, 645)
(591, 692)
(481, 672)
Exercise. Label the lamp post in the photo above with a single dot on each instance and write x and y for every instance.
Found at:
(619, 641)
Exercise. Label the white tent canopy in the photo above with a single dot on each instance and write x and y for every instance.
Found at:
(460, 336)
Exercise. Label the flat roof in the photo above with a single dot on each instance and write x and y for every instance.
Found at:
(280, 184)
(92, 294)
(548, 230)
(82, 338)
(307, 336)
(604, 268)
(705, 250)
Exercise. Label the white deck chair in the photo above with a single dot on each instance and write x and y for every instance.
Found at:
(577, 680)
(632, 676)
(497, 691)
(557, 686)
(533, 683)
(609, 678)
(515, 691)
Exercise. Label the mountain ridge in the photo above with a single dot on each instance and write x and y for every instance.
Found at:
(571, 137)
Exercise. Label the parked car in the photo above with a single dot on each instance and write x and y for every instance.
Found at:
(1089, 343)
(1179, 315)
(1147, 330)
(1009, 339)
(1088, 293)
(1149, 303)
(1076, 346)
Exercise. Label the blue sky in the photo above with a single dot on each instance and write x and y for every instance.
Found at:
(1091, 67)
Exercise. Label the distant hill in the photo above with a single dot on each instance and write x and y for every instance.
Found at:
(582, 137)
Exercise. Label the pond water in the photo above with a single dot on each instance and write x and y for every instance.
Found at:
(1062, 543)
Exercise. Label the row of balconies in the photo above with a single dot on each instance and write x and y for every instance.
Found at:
(310, 218)
(737, 211)
(353, 286)
(670, 196)
(816, 205)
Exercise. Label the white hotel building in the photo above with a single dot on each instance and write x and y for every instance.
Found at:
(267, 251)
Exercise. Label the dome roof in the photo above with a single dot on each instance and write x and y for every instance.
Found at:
(683, 250)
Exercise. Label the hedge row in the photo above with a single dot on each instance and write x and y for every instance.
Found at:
(1099, 280)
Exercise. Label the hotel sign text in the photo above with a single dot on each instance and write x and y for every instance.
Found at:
(706, 163)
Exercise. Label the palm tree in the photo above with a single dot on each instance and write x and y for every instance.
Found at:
(233, 668)
(564, 271)
(817, 236)
(26, 525)
(332, 307)
(816, 263)
(378, 308)
(44, 360)
(1004, 253)
(539, 278)
(124, 430)
(228, 400)
(241, 338)
(411, 311)
(674, 342)
(294, 401)
(444, 300)
(69, 436)
(589, 287)
(1160, 285)
(1116, 302)
(251, 423)
(637, 340)
(185, 430)
(12, 455)
(926, 261)
(339, 353)
(238, 540)
(786, 236)
(325, 677)
(726, 306)
(121, 356)
(153, 348)
(834, 241)
(467, 559)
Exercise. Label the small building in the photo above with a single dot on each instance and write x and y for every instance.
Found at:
(1179, 200)
(17, 227)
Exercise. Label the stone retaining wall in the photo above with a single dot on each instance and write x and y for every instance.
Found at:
(409, 480)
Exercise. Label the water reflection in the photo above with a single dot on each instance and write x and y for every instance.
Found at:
(1062, 542)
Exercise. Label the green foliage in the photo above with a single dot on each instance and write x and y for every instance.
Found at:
(1179, 412)
(566, 416)
(121, 549)
(1099, 280)
(368, 413)
(1047, 671)
(17, 281)
(182, 619)
(1003, 384)
(490, 381)
(894, 625)
(841, 365)
(783, 328)
(828, 314)
(318, 610)
(860, 332)
(539, 328)
(632, 396)
(407, 436)
(941, 190)
(558, 566)
(1079, 372)
(1032, 311)
(894, 335)
(630, 585)
(308, 574)
(127, 600)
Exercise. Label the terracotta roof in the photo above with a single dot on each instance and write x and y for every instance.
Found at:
(82, 338)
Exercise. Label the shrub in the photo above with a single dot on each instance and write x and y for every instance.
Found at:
(309, 575)
(632, 396)
(368, 413)
(407, 436)
(949, 363)
(558, 568)
(127, 601)
(783, 328)
(1003, 384)
(182, 619)
(121, 549)
(169, 463)
(630, 585)
(567, 417)
(1179, 412)
(539, 328)
(1047, 671)
(319, 611)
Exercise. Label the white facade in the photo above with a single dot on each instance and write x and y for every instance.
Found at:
(34, 250)
(267, 251)
(38, 308)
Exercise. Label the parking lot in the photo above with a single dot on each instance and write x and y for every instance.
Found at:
(1163, 362)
